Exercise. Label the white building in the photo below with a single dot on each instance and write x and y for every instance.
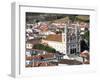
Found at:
(28, 53)
(46, 33)
(29, 45)
(29, 30)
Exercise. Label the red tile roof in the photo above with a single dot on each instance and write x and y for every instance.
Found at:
(56, 37)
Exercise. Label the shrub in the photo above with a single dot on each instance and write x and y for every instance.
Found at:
(43, 47)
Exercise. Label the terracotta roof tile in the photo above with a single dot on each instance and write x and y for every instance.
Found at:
(56, 37)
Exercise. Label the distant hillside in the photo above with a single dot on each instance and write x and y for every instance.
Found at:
(36, 17)
(49, 17)
(62, 20)
(83, 18)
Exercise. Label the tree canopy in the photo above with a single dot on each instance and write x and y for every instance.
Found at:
(43, 47)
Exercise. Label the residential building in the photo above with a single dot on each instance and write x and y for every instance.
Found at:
(36, 58)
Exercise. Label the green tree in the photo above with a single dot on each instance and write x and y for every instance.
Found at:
(87, 36)
(43, 47)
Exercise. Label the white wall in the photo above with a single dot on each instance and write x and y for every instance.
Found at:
(5, 41)
(59, 46)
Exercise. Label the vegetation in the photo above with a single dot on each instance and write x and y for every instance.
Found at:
(82, 18)
(43, 47)
(49, 17)
(87, 36)
(33, 54)
(72, 17)
(79, 18)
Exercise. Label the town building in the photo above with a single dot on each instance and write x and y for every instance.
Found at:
(36, 58)
(73, 39)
